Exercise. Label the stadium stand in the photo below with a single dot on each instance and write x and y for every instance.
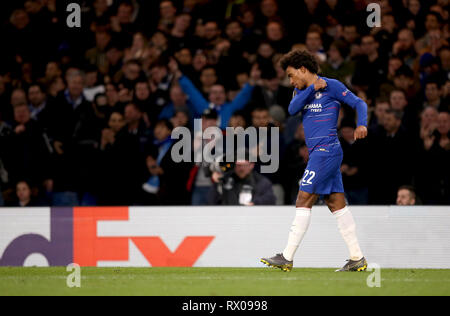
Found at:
(85, 113)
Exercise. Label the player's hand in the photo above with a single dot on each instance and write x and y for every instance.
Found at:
(320, 84)
(360, 132)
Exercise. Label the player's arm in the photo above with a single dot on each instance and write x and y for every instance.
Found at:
(300, 99)
(344, 95)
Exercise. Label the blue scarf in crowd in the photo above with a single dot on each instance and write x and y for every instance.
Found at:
(152, 185)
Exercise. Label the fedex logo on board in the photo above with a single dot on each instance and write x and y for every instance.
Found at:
(74, 237)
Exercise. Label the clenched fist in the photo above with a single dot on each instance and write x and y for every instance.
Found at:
(360, 132)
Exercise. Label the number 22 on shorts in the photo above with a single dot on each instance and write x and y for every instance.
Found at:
(307, 178)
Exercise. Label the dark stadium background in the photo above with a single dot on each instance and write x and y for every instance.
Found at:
(117, 63)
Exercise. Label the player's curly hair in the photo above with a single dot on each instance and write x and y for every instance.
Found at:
(298, 59)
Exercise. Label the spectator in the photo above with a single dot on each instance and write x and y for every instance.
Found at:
(217, 96)
(26, 151)
(185, 60)
(314, 45)
(390, 152)
(18, 96)
(208, 78)
(240, 43)
(112, 95)
(100, 12)
(168, 13)
(178, 102)
(167, 181)
(122, 24)
(238, 120)
(135, 123)
(381, 107)
(351, 36)
(406, 196)
(122, 165)
(404, 80)
(336, 65)
(243, 186)
(432, 24)
(39, 106)
(74, 132)
(102, 109)
(160, 84)
(370, 68)
(268, 12)
(434, 180)
(386, 35)
(428, 122)
(260, 118)
(97, 55)
(433, 95)
(93, 84)
(271, 92)
(142, 99)
(181, 118)
(131, 74)
(275, 36)
(265, 55)
(138, 50)
(399, 103)
(52, 71)
(212, 35)
(353, 166)
(114, 62)
(24, 196)
(55, 87)
(179, 34)
(414, 18)
(201, 173)
(404, 47)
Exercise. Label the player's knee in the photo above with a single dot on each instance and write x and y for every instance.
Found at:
(335, 206)
(335, 202)
(305, 200)
(332, 207)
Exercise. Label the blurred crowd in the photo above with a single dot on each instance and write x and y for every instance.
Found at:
(86, 114)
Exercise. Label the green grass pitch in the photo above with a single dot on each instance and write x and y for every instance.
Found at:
(220, 282)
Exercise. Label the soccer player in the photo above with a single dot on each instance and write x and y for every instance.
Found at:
(319, 100)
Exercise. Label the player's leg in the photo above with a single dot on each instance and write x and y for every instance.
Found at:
(284, 260)
(347, 227)
(335, 201)
(306, 200)
(300, 225)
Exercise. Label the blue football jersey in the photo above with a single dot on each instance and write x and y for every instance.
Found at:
(320, 112)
